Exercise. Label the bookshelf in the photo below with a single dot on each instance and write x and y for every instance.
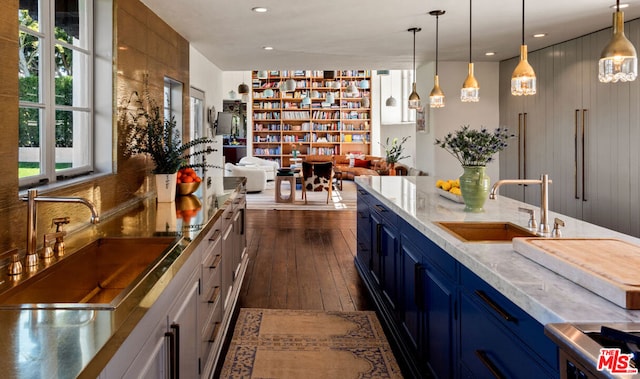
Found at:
(282, 119)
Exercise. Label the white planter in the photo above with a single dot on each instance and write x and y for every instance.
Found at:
(166, 187)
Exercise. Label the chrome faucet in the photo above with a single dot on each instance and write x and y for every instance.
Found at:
(543, 228)
(32, 198)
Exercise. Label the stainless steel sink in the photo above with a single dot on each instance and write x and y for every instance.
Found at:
(489, 232)
(99, 275)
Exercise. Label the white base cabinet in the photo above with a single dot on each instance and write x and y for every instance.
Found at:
(182, 333)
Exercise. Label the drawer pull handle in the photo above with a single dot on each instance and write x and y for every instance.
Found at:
(216, 262)
(484, 358)
(171, 337)
(215, 236)
(215, 295)
(214, 334)
(504, 314)
(380, 208)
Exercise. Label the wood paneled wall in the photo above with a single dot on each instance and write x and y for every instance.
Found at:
(144, 45)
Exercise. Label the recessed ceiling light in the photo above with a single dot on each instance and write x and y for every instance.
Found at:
(259, 9)
(490, 53)
(622, 6)
(268, 47)
(539, 35)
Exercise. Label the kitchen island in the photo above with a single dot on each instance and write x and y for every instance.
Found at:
(431, 288)
(195, 283)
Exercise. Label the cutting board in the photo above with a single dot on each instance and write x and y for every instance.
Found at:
(608, 267)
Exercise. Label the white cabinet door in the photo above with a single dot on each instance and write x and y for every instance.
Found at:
(183, 322)
(153, 360)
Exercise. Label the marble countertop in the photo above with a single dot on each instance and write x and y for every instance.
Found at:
(545, 295)
(42, 342)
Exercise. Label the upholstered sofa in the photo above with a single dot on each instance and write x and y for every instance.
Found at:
(256, 176)
(370, 165)
(270, 167)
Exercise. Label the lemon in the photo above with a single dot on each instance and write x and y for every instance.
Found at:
(446, 186)
(456, 183)
(439, 183)
(455, 191)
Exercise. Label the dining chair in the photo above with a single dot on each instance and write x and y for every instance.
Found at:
(317, 177)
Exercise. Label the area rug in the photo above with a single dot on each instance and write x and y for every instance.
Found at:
(344, 199)
(275, 343)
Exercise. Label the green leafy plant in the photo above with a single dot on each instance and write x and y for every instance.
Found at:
(473, 147)
(393, 150)
(147, 132)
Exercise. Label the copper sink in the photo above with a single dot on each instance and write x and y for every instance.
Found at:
(489, 232)
(99, 275)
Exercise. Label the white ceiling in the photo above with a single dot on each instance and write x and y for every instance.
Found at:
(345, 34)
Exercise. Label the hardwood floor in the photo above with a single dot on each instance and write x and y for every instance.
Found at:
(302, 260)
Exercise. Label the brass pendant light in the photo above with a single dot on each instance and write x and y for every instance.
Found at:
(523, 79)
(470, 92)
(618, 61)
(414, 98)
(436, 97)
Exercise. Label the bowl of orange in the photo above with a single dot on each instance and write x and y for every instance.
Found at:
(187, 182)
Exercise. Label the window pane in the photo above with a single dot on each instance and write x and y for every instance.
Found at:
(71, 25)
(72, 139)
(28, 68)
(71, 64)
(29, 142)
(28, 14)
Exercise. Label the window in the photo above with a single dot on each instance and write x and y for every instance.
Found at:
(55, 89)
(173, 102)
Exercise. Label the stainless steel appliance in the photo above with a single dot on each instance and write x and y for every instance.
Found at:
(579, 348)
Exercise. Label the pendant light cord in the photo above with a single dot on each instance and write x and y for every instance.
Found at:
(414, 55)
(617, 5)
(523, 22)
(437, 18)
(470, 27)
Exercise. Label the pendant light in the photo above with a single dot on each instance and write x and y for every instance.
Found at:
(618, 60)
(268, 92)
(523, 79)
(352, 90)
(414, 98)
(289, 85)
(243, 88)
(470, 92)
(436, 97)
(391, 101)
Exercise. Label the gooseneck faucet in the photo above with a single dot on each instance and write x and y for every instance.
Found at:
(543, 228)
(32, 199)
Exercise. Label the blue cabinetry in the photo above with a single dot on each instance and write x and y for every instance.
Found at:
(444, 321)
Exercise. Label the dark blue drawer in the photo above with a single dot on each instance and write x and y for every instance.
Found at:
(509, 316)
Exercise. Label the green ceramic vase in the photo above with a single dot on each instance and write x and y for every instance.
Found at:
(475, 187)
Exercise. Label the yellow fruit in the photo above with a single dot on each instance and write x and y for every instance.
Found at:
(456, 183)
(455, 191)
(439, 183)
(446, 186)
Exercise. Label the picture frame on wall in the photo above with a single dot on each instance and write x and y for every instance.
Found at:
(422, 119)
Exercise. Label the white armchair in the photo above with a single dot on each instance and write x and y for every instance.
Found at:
(256, 177)
(269, 166)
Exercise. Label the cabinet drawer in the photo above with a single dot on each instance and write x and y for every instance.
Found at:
(363, 195)
(489, 350)
(524, 328)
(385, 212)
